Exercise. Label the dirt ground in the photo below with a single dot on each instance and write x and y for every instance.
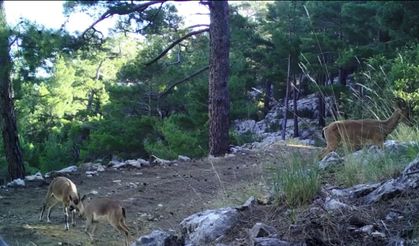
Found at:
(155, 197)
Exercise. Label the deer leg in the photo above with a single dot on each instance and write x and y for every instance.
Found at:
(122, 228)
(89, 223)
(45, 205)
(73, 222)
(331, 143)
(51, 204)
(66, 226)
(93, 231)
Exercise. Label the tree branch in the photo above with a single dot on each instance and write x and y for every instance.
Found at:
(121, 11)
(197, 25)
(175, 43)
(182, 80)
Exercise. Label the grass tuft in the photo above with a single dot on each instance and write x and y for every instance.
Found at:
(296, 180)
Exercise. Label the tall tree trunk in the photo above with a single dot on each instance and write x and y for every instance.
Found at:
(294, 100)
(284, 115)
(219, 101)
(8, 119)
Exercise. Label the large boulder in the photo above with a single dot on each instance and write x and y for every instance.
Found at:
(204, 228)
(330, 160)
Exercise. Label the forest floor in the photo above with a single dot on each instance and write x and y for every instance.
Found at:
(160, 197)
(156, 197)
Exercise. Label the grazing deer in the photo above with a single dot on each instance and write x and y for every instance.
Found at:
(356, 133)
(102, 210)
(62, 190)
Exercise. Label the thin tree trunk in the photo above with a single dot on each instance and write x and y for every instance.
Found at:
(284, 115)
(8, 119)
(294, 98)
(321, 105)
(219, 101)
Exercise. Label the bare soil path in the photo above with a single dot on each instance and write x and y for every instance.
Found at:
(155, 197)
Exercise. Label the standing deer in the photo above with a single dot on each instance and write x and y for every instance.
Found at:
(356, 133)
(62, 190)
(104, 209)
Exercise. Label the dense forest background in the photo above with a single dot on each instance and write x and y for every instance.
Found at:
(84, 97)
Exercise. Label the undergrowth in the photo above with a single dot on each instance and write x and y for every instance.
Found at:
(371, 166)
(295, 180)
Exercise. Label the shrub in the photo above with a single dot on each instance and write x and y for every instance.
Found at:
(56, 154)
(178, 135)
(124, 137)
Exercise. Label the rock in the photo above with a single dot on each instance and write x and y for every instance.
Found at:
(93, 192)
(89, 166)
(35, 177)
(16, 183)
(393, 146)
(91, 173)
(158, 238)
(116, 164)
(70, 169)
(267, 199)
(412, 168)
(137, 163)
(407, 181)
(374, 153)
(35, 180)
(205, 227)
(267, 241)
(183, 158)
(356, 191)
(386, 191)
(330, 160)
(333, 204)
(367, 229)
(262, 230)
(393, 216)
(160, 161)
(250, 203)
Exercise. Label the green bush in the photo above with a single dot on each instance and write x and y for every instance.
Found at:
(56, 154)
(178, 136)
(123, 137)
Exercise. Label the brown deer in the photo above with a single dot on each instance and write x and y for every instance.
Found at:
(104, 209)
(356, 133)
(62, 190)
